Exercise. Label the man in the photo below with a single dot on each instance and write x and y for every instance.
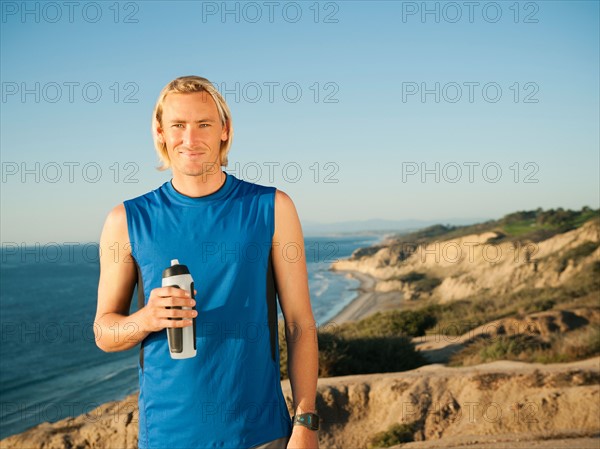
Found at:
(242, 242)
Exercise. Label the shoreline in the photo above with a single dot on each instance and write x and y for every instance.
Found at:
(368, 300)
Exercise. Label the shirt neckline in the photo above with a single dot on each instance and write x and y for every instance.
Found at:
(218, 194)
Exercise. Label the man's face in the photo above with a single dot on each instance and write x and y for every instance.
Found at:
(192, 131)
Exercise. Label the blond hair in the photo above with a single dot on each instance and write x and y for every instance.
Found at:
(188, 85)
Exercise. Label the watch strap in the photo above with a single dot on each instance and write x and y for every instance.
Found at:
(309, 420)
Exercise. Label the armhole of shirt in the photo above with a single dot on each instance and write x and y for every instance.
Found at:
(128, 215)
(141, 304)
(272, 213)
(272, 286)
(139, 282)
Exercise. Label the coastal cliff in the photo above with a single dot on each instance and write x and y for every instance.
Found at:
(508, 324)
(511, 400)
(455, 268)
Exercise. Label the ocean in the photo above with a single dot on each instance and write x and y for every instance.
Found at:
(50, 366)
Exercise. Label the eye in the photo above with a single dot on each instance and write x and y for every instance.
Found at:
(177, 125)
(202, 125)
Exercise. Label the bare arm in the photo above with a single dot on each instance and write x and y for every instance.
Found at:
(114, 328)
(289, 263)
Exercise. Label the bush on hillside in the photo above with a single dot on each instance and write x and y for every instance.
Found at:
(393, 323)
(397, 433)
(340, 355)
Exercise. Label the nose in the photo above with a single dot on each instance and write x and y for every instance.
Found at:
(191, 136)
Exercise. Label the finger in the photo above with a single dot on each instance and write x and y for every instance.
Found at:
(170, 301)
(177, 323)
(180, 313)
(172, 291)
(173, 301)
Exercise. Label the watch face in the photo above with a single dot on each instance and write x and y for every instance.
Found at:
(309, 420)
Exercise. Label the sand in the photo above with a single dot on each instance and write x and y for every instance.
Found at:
(368, 300)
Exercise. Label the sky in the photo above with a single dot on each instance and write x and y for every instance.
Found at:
(358, 110)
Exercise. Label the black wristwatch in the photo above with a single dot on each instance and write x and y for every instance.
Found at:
(310, 420)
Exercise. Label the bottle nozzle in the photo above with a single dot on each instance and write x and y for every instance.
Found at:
(174, 262)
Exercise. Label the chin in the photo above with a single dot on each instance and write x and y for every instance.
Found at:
(196, 172)
(201, 170)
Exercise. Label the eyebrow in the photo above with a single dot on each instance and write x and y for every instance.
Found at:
(195, 121)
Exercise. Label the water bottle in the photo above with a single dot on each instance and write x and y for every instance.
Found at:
(182, 340)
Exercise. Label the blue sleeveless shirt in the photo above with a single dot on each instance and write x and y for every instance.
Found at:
(229, 395)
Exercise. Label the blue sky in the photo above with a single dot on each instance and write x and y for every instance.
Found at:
(516, 86)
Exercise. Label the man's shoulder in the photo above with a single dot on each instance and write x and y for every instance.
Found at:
(280, 198)
(254, 187)
(147, 197)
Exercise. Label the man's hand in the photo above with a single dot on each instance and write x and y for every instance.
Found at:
(303, 438)
(156, 314)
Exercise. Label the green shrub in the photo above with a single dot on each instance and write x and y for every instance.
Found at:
(420, 282)
(510, 347)
(340, 356)
(426, 285)
(540, 305)
(578, 344)
(413, 276)
(367, 355)
(483, 350)
(397, 433)
(393, 323)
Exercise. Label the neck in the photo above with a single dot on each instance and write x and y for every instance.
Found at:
(200, 185)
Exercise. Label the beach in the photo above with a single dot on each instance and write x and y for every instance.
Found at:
(368, 300)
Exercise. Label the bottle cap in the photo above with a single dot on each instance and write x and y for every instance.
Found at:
(175, 269)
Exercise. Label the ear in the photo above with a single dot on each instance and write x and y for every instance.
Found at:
(225, 131)
(158, 131)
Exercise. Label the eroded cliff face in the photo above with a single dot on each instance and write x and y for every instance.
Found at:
(495, 398)
(475, 263)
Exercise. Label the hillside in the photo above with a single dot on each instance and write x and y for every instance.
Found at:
(449, 264)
